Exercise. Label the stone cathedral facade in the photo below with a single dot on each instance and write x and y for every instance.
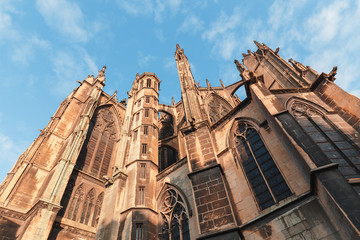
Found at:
(283, 163)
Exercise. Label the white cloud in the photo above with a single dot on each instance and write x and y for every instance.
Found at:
(170, 64)
(10, 151)
(144, 60)
(334, 39)
(25, 51)
(70, 66)
(191, 24)
(159, 35)
(155, 8)
(222, 33)
(66, 17)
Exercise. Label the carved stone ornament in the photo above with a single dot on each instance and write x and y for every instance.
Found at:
(173, 211)
(303, 110)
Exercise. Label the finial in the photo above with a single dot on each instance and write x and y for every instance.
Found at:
(102, 72)
(332, 74)
(179, 52)
(277, 51)
(115, 95)
(172, 101)
(239, 66)
(222, 84)
(258, 44)
(208, 83)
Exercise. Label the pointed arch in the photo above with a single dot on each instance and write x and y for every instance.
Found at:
(87, 207)
(263, 176)
(167, 156)
(96, 154)
(97, 209)
(75, 203)
(174, 213)
(166, 126)
(216, 107)
(335, 144)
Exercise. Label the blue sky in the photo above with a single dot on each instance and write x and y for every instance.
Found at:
(46, 45)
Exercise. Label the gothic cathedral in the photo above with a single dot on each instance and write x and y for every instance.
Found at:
(283, 163)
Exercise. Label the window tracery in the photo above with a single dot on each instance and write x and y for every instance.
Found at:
(265, 179)
(75, 203)
(88, 205)
(97, 210)
(332, 141)
(175, 219)
(95, 155)
(217, 108)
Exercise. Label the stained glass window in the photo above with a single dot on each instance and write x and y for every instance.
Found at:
(266, 181)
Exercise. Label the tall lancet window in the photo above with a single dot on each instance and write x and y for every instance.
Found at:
(175, 218)
(337, 146)
(75, 203)
(95, 155)
(97, 210)
(88, 207)
(265, 179)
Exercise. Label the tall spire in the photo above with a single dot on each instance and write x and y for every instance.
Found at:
(189, 90)
(101, 75)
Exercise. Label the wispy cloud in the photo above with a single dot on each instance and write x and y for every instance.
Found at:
(144, 60)
(9, 153)
(156, 8)
(25, 51)
(170, 64)
(191, 24)
(222, 33)
(70, 66)
(66, 17)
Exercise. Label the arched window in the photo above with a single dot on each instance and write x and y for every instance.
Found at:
(75, 203)
(97, 210)
(217, 108)
(166, 125)
(148, 82)
(265, 179)
(88, 206)
(175, 224)
(333, 142)
(95, 155)
(167, 157)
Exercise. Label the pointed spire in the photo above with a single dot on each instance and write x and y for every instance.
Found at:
(179, 52)
(115, 95)
(102, 72)
(208, 83)
(222, 84)
(258, 44)
(239, 66)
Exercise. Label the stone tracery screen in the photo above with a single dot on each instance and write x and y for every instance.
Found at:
(265, 179)
(175, 219)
